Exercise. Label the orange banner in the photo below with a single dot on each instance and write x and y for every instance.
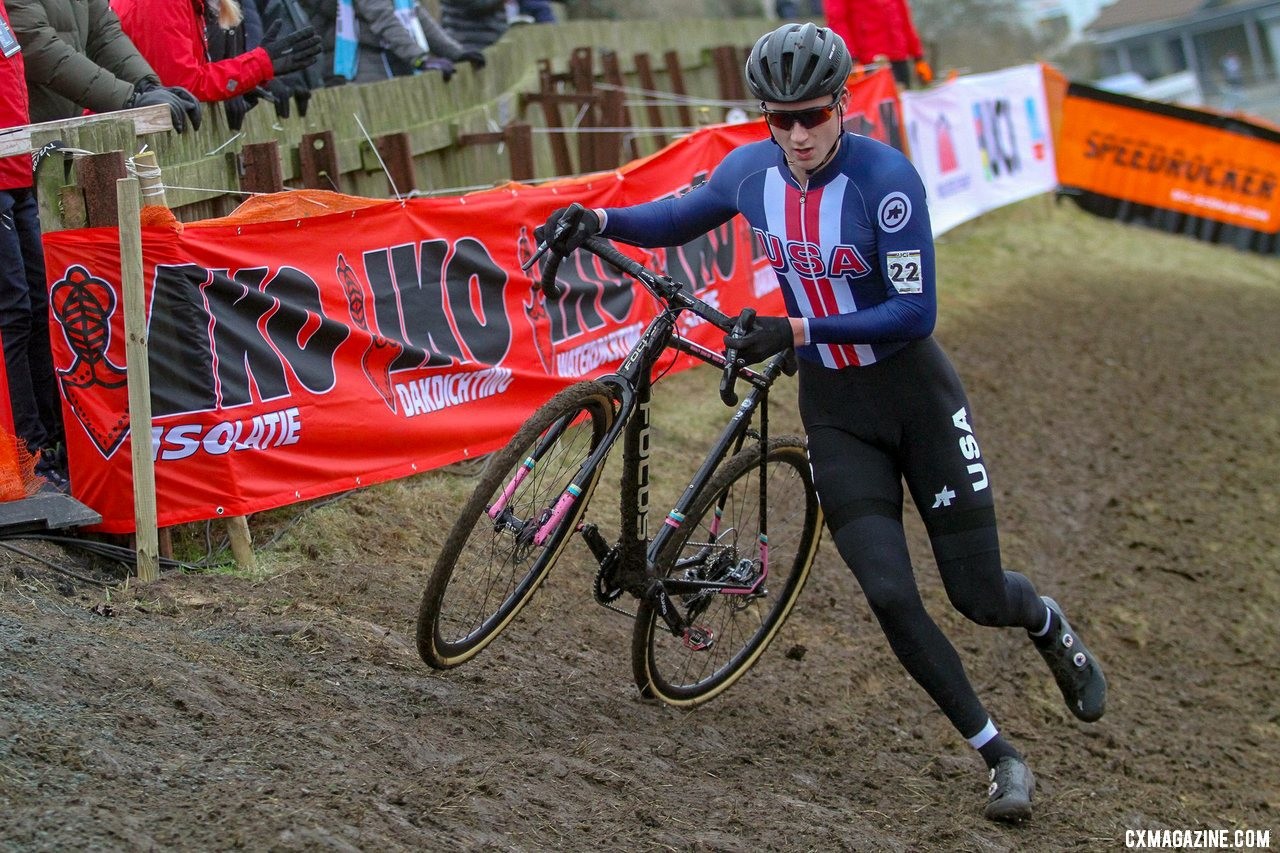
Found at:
(299, 357)
(1170, 158)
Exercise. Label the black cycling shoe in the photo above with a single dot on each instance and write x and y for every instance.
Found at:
(1009, 797)
(1078, 673)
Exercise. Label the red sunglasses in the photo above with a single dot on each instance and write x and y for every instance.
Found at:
(809, 119)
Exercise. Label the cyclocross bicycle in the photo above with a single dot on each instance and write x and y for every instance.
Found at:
(717, 580)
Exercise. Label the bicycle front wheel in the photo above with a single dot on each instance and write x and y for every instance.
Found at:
(505, 540)
(720, 541)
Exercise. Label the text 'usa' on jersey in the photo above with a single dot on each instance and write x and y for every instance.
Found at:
(853, 250)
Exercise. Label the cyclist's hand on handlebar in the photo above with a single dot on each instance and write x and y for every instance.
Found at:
(767, 336)
(587, 226)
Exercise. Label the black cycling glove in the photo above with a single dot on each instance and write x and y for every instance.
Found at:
(587, 226)
(769, 335)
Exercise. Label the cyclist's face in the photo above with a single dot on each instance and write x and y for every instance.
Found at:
(806, 147)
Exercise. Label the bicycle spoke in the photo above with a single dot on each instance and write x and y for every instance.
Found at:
(491, 563)
(726, 548)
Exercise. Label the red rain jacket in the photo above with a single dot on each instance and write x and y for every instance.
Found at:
(872, 28)
(170, 34)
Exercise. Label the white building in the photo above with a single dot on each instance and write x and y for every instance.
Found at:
(1059, 15)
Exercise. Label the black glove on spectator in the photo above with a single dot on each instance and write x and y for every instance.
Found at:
(769, 335)
(301, 92)
(475, 57)
(237, 108)
(181, 103)
(587, 226)
(279, 92)
(188, 102)
(435, 63)
(293, 52)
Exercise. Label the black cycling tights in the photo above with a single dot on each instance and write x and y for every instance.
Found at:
(875, 548)
(907, 418)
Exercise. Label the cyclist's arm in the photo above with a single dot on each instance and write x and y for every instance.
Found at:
(905, 265)
(677, 220)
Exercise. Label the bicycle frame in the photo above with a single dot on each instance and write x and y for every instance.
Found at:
(633, 558)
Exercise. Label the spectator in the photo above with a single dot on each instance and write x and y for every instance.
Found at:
(230, 31)
(24, 297)
(367, 40)
(77, 58)
(297, 85)
(529, 12)
(171, 35)
(1232, 81)
(476, 24)
(880, 28)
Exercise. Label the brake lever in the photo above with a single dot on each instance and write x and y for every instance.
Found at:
(547, 281)
(733, 364)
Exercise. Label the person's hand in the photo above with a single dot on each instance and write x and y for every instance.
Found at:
(279, 92)
(302, 95)
(586, 226)
(924, 71)
(435, 63)
(767, 336)
(237, 108)
(475, 57)
(188, 102)
(293, 52)
(181, 103)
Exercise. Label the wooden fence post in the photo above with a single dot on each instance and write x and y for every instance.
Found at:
(672, 60)
(318, 161)
(397, 156)
(97, 175)
(260, 168)
(644, 70)
(139, 381)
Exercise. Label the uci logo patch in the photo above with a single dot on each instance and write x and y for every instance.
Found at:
(894, 212)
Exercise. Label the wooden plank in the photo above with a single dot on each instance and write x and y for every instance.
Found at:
(129, 205)
(17, 140)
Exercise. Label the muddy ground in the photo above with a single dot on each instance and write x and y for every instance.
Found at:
(1126, 386)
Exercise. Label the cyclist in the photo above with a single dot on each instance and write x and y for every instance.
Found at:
(843, 220)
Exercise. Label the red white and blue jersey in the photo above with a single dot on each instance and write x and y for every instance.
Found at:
(853, 250)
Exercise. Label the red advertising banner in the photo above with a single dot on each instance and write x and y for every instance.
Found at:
(292, 359)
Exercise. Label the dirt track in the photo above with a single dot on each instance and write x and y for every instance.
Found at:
(1125, 388)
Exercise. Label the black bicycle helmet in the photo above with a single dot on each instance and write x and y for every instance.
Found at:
(797, 62)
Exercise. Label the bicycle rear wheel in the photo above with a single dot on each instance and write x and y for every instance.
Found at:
(719, 541)
(492, 561)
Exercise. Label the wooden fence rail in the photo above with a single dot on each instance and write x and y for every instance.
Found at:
(542, 87)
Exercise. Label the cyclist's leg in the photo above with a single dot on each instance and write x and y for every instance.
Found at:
(853, 421)
(864, 514)
(951, 486)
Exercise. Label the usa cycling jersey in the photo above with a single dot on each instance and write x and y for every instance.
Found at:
(853, 250)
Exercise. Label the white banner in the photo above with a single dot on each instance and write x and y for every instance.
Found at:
(981, 142)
